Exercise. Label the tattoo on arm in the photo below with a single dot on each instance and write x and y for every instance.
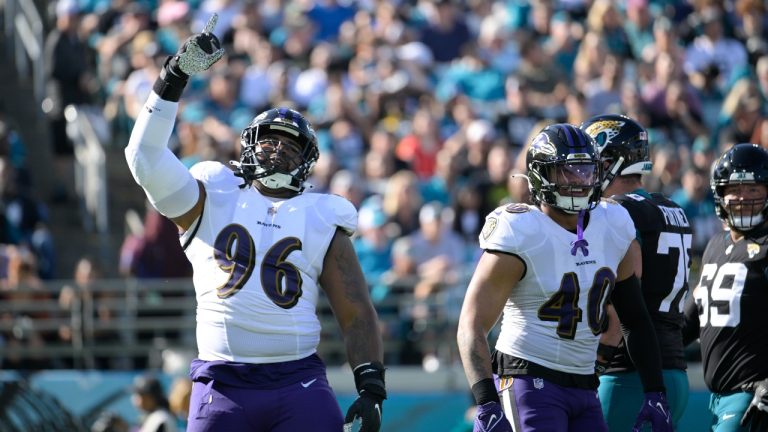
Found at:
(361, 334)
(475, 355)
(351, 277)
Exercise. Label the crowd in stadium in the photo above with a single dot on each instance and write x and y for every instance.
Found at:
(422, 108)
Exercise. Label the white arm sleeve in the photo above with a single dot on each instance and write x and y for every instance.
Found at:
(167, 182)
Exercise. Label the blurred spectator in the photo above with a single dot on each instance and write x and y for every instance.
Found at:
(20, 290)
(432, 255)
(446, 31)
(402, 201)
(605, 20)
(639, 27)
(110, 422)
(420, 147)
(68, 81)
(149, 397)
(741, 114)
(712, 48)
(373, 246)
(327, 16)
(603, 94)
(24, 219)
(178, 399)
(154, 252)
(695, 198)
(543, 81)
(91, 310)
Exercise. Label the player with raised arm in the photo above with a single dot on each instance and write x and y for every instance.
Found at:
(664, 235)
(550, 268)
(261, 251)
(727, 309)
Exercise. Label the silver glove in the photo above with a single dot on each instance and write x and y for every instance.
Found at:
(201, 50)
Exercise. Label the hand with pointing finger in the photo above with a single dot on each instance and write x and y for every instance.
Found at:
(199, 52)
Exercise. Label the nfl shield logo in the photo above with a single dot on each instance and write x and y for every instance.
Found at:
(538, 383)
(752, 250)
(272, 211)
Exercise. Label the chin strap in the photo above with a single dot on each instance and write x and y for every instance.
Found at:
(612, 173)
(581, 243)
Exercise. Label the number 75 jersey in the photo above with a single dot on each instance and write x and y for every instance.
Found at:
(256, 268)
(730, 304)
(556, 312)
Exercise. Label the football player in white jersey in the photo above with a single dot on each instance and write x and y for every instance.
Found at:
(550, 268)
(261, 251)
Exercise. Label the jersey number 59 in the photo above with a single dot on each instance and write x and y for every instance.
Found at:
(720, 305)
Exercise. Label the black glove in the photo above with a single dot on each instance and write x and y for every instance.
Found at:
(369, 380)
(198, 53)
(757, 412)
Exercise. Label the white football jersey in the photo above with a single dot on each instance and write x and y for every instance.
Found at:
(256, 265)
(553, 316)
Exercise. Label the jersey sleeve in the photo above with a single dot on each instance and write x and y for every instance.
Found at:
(510, 232)
(215, 176)
(340, 212)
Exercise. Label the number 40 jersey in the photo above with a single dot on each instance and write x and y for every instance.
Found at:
(257, 262)
(556, 312)
(728, 307)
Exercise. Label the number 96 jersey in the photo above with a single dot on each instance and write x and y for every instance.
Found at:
(556, 312)
(257, 262)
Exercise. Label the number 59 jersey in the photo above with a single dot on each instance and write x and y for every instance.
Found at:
(729, 304)
(556, 312)
(256, 263)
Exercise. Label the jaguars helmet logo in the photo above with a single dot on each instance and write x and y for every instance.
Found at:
(604, 131)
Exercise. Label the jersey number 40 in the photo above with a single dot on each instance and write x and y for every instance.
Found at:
(563, 307)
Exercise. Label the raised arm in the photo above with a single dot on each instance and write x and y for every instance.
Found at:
(344, 284)
(169, 186)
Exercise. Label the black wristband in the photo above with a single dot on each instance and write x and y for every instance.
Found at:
(485, 391)
(369, 378)
(170, 84)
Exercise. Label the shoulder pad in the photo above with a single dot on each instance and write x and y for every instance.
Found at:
(517, 208)
(512, 232)
(215, 176)
(338, 211)
(620, 222)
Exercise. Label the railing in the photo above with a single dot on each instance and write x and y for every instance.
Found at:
(87, 129)
(128, 324)
(24, 34)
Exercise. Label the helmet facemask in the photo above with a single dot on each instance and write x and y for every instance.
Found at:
(741, 214)
(277, 156)
(570, 185)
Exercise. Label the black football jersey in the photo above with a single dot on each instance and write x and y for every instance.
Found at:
(729, 305)
(665, 236)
